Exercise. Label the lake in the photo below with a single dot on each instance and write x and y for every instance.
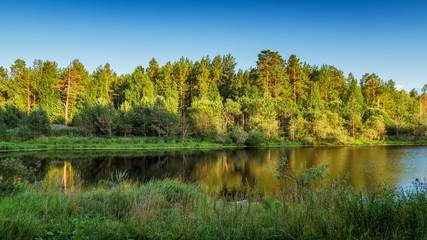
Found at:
(231, 170)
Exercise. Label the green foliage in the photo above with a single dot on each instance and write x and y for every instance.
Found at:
(168, 209)
(376, 128)
(125, 125)
(11, 116)
(271, 75)
(298, 80)
(206, 116)
(255, 138)
(223, 139)
(34, 125)
(239, 135)
(3, 130)
(279, 98)
(232, 112)
(326, 127)
(162, 122)
(259, 115)
(141, 88)
(105, 117)
(13, 173)
(138, 116)
(100, 118)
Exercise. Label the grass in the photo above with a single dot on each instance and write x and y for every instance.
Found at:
(73, 142)
(135, 142)
(168, 209)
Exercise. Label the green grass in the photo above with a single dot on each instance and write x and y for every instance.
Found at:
(171, 210)
(76, 142)
(102, 142)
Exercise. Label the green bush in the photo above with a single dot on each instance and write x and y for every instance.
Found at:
(223, 139)
(13, 173)
(11, 117)
(23, 133)
(3, 131)
(239, 135)
(67, 132)
(37, 122)
(255, 138)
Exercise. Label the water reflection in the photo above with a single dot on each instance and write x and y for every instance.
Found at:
(59, 174)
(233, 170)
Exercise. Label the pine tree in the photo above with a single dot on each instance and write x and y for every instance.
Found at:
(371, 86)
(69, 86)
(331, 82)
(153, 71)
(271, 73)
(354, 103)
(4, 76)
(181, 73)
(202, 75)
(101, 81)
(228, 77)
(20, 85)
(168, 88)
(298, 80)
(45, 79)
(141, 90)
(423, 99)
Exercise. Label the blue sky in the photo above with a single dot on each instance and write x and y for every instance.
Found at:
(388, 38)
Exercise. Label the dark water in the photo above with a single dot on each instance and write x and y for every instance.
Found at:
(233, 169)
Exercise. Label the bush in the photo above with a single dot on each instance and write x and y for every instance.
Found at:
(23, 133)
(14, 172)
(238, 135)
(223, 139)
(100, 118)
(255, 138)
(37, 122)
(67, 132)
(11, 117)
(3, 131)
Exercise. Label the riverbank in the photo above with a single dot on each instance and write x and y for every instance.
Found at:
(70, 142)
(171, 210)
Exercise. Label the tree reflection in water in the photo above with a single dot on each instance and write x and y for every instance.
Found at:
(233, 171)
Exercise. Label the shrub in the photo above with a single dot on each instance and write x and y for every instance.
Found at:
(255, 138)
(238, 135)
(11, 117)
(223, 139)
(3, 131)
(37, 122)
(13, 172)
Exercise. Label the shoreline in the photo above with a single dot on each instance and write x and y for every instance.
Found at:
(28, 147)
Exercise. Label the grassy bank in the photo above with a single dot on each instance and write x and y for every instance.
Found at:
(73, 142)
(78, 142)
(170, 210)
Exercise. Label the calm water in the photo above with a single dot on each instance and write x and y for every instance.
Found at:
(233, 169)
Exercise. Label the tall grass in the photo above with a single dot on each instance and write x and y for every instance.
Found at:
(102, 142)
(168, 209)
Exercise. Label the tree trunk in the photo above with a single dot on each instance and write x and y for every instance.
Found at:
(353, 126)
(64, 177)
(28, 97)
(373, 94)
(67, 99)
(295, 92)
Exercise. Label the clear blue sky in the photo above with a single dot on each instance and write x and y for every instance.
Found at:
(385, 37)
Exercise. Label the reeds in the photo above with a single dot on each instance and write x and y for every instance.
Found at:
(168, 209)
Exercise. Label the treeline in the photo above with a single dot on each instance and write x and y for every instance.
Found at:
(209, 97)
